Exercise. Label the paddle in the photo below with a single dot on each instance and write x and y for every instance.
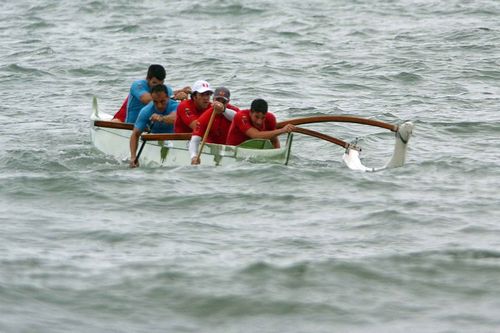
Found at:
(205, 136)
(148, 130)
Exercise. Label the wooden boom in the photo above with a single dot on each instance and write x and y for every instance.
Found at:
(321, 136)
(344, 119)
(296, 121)
(112, 124)
(166, 136)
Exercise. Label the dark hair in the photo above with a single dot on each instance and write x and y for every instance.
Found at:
(259, 105)
(156, 71)
(159, 88)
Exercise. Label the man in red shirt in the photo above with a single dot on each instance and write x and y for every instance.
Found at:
(256, 123)
(190, 110)
(224, 113)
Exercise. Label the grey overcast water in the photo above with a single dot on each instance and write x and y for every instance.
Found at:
(89, 245)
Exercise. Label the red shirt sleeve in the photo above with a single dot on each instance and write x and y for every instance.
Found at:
(184, 117)
(242, 121)
(270, 123)
(186, 113)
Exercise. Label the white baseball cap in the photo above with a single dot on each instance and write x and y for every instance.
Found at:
(201, 87)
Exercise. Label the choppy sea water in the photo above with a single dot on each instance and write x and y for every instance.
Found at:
(89, 245)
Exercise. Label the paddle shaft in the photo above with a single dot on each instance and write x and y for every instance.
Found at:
(205, 136)
(148, 130)
(139, 152)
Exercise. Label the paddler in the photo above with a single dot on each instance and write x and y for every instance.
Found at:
(224, 113)
(256, 123)
(159, 116)
(191, 109)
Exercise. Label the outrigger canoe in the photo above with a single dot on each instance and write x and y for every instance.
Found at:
(113, 139)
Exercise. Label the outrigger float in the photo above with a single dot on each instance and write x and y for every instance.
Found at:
(112, 138)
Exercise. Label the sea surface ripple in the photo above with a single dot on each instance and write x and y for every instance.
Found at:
(89, 245)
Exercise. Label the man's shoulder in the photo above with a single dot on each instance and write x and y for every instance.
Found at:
(139, 87)
(270, 116)
(185, 103)
(139, 83)
(148, 108)
(270, 121)
(144, 114)
(242, 113)
(242, 119)
(173, 104)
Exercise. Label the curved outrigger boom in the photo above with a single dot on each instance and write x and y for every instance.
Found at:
(351, 155)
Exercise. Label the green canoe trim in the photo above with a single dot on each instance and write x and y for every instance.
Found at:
(256, 144)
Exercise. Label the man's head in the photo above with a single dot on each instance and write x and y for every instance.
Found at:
(156, 75)
(200, 94)
(222, 94)
(159, 94)
(258, 110)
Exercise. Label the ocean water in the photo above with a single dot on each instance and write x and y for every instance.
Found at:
(89, 245)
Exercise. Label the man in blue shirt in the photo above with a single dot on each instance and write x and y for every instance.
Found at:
(140, 91)
(140, 94)
(159, 115)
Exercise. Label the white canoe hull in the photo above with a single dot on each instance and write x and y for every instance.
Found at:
(116, 143)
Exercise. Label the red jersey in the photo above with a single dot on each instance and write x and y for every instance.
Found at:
(241, 124)
(186, 114)
(122, 113)
(218, 131)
